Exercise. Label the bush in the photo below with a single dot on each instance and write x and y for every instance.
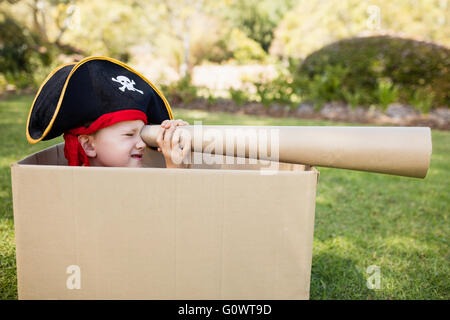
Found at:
(409, 65)
(353, 98)
(278, 90)
(289, 88)
(281, 90)
(326, 86)
(421, 100)
(226, 45)
(181, 90)
(386, 93)
(239, 96)
(21, 53)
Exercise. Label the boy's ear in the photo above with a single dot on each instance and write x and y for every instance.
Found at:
(87, 142)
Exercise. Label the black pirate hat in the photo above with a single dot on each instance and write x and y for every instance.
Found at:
(78, 93)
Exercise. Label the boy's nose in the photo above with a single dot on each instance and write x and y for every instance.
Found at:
(140, 145)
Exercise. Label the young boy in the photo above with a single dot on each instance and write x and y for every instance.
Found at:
(120, 145)
(101, 105)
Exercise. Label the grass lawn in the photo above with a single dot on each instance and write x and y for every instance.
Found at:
(398, 224)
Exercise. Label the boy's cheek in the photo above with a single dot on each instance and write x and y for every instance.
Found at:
(112, 158)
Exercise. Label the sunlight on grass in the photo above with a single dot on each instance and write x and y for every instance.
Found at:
(408, 245)
(338, 244)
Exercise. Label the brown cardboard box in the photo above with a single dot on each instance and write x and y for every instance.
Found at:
(210, 232)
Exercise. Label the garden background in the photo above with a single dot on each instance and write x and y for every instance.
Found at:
(285, 62)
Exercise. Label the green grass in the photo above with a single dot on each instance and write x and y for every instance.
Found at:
(398, 224)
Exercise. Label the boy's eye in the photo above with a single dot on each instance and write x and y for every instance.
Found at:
(129, 134)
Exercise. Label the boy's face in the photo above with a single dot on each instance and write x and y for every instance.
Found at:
(119, 145)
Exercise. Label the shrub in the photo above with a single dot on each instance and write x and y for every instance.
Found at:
(281, 90)
(326, 86)
(353, 98)
(411, 65)
(239, 96)
(224, 45)
(421, 100)
(181, 90)
(278, 90)
(386, 93)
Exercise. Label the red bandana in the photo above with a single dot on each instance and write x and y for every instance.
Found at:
(74, 152)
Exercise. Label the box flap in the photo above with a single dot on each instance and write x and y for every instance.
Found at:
(54, 155)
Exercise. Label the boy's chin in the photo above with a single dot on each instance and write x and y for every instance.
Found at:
(135, 164)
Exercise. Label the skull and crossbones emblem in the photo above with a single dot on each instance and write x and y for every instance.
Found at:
(126, 84)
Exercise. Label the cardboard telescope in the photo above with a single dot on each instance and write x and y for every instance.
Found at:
(403, 151)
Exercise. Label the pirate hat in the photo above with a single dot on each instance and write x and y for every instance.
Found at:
(81, 98)
(77, 93)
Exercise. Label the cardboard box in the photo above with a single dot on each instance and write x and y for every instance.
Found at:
(209, 232)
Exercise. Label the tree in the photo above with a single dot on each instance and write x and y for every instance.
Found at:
(21, 51)
(315, 23)
(257, 18)
(50, 19)
(178, 17)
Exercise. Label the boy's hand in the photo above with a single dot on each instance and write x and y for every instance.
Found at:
(171, 145)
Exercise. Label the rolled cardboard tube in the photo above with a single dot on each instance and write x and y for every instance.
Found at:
(403, 151)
